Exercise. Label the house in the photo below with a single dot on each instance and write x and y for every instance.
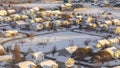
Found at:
(11, 11)
(2, 50)
(114, 40)
(48, 25)
(10, 33)
(35, 57)
(108, 22)
(66, 23)
(38, 20)
(103, 43)
(6, 58)
(26, 64)
(7, 19)
(114, 29)
(57, 23)
(24, 17)
(68, 51)
(116, 22)
(66, 6)
(56, 13)
(47, 18)
(89, 19)
(42, 14)
(72, 20)
(37, 27)
(48, 13)
(117, 30)
(65, 62)
(20, 24)
(15, 17)
(26, 12)
(1, 19)
(49, 64)
(114, 52)
(3, 12)
(36, 8)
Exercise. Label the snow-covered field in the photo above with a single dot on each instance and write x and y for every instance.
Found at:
(60, 40)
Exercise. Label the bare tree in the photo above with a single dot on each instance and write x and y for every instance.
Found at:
(31, 36)
(2, 52)
(16, 53)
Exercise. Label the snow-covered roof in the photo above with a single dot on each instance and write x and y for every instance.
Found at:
(7, 18)
(108, 22)
(26, 64)
(36, 8)
(111, 50)
(5, 58)
(114, 40)
(21, 22)
(48, 63)
(1, 47)
(11, 31)
(3, 12)
(37, 54)
(38, 19)
(116, 20)
(71, 49)
(104, 42)
(57, 11)
(80, 16)
(11, 11)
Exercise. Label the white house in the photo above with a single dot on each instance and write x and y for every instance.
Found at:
(20, 24)
(6, 58)
(26, 12)
(48, 24)
(3, 12)
(102, 43)
(11, 11)
(7, 19)
(24, 17)
(114, 29)
(114, 52)
(57, 23)
(49, 64)
(10, 33)
(68, 51)
(38, 20)
(108, 22)
(65, 62)
(37, 27)
(26, 64)
(35, 57)
(15, 17)
(114, 40)
(116, 22)
(1, 19)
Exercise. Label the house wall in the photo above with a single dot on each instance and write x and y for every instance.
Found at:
(61, 65)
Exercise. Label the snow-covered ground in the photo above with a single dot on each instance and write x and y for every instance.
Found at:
(60, 40)
(41, 5)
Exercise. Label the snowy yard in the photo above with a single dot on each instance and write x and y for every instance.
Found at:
(60, 40)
